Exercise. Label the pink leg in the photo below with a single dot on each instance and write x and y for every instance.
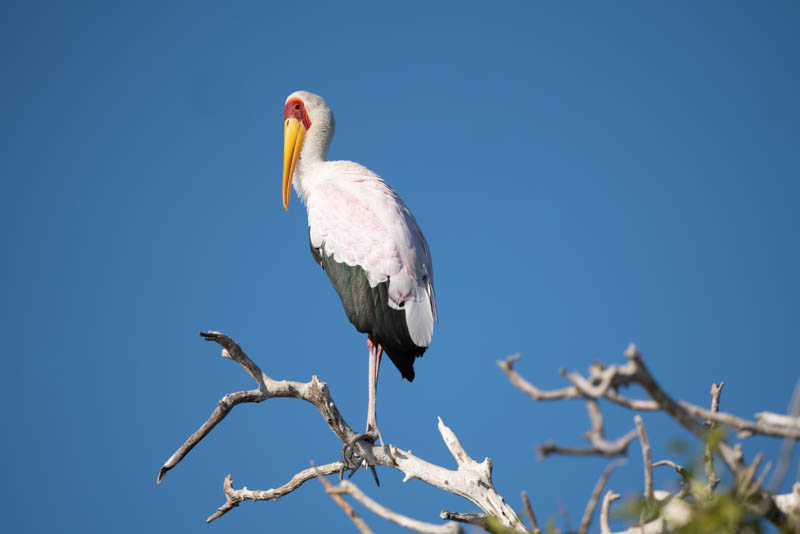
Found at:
(375, 353)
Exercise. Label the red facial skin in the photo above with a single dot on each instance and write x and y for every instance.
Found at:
(295, 108)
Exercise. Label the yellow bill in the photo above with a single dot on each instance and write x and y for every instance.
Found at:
(293, 135)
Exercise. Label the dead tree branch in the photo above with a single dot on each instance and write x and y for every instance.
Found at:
(478, 520)
(360, 524)
(604, 511)
(595, 436)
(349, 488)
(471, 480)
(529, 512)
(605, 382)
(233, 496)
(708, 453)
(646, 457)
(598, 489)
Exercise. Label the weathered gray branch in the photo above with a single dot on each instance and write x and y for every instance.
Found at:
(360, 524)
(708, 454)
(604, 382)
(349, 488)
(595, 435)
(610, 497)
(647, 458)
(598, 489)
(233, 496)
(471, 480)
(529, 512)
(678, 468)
(478, 520)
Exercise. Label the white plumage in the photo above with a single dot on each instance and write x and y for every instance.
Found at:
(366, 239)
(354, 216)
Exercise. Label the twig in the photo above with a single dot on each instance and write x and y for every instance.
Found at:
(224, 407)
(478, 520)
(763, 475)
(646, 456)
(595, 436)
(598, 489)
(523, 385)
(609, 449)
(344, 505)
(708, 454)
(609, 497)
(716, 391)
(678, 468)
(529, 512)
(233, 496)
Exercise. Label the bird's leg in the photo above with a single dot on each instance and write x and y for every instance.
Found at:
(350, 459)
(375, 353)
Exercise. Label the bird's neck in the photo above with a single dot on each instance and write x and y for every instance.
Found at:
(314, 152)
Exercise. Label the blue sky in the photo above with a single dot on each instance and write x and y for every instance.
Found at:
(586, 175)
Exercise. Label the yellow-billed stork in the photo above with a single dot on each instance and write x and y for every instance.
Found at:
(366, 240)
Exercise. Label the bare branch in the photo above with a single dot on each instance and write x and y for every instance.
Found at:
(471, 480)
(716, 391)
(708, 454)
(604, 382)
(524, 386)
(529, 512)
(766, 427)
(604, 511)
(678, 468)
(224, 407)
(595, 436)
(606, 448)
(233, 496)
(360, 524)
(478, 520)
(791, 422)
(646, 456)
(349, 488)
(598, 489)
(639, 405)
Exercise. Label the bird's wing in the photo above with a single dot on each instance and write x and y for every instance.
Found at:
(356, 218)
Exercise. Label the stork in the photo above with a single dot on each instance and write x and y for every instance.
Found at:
(365, 239)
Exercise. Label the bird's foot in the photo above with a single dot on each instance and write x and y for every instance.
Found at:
(353, 461)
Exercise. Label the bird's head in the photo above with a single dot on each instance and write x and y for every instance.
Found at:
(304, 113)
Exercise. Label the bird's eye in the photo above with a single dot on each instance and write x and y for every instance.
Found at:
(297, 107)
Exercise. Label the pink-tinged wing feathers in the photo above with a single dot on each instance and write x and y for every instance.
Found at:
(359, 220)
